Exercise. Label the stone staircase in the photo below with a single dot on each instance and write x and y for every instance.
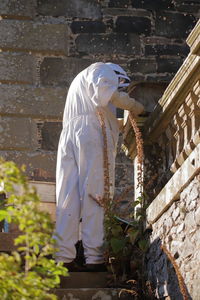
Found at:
(79, 285)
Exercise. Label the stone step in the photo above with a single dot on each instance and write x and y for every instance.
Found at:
(46, 190)
(85, 280)
(91, 294)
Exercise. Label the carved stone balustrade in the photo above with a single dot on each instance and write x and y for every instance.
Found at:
(172, 131)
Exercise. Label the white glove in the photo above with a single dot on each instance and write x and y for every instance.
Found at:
(122, 100)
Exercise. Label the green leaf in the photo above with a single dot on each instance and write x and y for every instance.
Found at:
(36, 249)
(143, 245)
(117, 230)
(4, 215)
(132, 234)
(117, 244)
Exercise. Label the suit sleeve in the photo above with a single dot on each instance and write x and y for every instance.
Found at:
(122, 100)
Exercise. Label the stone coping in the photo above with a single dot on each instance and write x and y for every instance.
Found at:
(177, 90)
(193, 39)
(175, 185)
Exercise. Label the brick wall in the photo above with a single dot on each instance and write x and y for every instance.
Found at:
(45, 43)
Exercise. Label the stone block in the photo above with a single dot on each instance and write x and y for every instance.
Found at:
(46, 190)
(187, 6)
(111, 44)
(124, 175)
(180, 228)
(137, 25)
(17, 68)
(18, 9)
(50, 134)
(58, 71)
(40, 165)
(88, 27)
(175, 214)
(163, 78)
(197, 216)
(152, 4)
(121, 157)
(143, 66)
(123, 11)
(18, 133)
(165, 65)
(39, 102)
(49, 208)
(176, 50)
(33, 37)
(174, 25)
(187, 248)
(119, 3)
(68, 8)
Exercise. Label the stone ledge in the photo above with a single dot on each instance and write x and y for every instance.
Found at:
(175, 185)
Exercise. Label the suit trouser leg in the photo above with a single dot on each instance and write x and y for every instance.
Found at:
(68, 203)
(90, 161)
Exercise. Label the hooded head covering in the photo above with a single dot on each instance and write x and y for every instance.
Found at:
(124, 80)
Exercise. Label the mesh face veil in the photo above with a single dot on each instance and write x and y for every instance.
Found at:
(124, 80)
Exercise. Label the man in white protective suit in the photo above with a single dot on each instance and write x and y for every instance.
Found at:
(80, 171)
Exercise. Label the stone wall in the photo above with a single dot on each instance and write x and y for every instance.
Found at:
(171, 137)
(179, 230)
(45, 43)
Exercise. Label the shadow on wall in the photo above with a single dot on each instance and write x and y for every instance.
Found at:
(148, 93)
(161, 273)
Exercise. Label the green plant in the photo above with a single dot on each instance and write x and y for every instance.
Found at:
(27, 273)
(122, 238)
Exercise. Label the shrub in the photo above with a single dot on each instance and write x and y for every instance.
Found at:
(29, 272)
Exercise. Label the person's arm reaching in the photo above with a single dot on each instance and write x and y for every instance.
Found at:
(122, 100)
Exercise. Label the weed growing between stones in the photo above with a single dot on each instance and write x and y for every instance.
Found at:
(27, 273)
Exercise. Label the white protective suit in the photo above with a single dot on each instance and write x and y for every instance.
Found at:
(80, 159)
